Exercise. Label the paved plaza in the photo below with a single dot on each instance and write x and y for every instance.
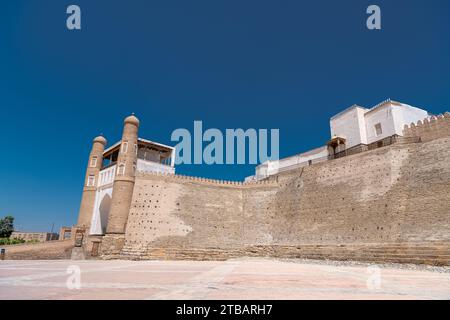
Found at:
(233, 279)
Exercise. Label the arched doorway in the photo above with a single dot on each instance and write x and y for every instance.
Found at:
(105, 205)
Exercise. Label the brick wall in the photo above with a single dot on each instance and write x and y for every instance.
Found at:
(179, 211)
(392, 194)
(389, 195)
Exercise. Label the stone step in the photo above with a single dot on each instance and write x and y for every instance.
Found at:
(405, 253)
(400, 256)
(363, 251)
(443, 247)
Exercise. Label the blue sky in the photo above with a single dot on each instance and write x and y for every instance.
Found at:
(289, 65)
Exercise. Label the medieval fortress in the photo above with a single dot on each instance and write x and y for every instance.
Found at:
(378, 190)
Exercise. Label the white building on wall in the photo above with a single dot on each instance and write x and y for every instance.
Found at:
(359, 125)
(353, 127)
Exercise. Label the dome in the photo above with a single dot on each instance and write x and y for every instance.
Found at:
(132, 119)
(100, 139)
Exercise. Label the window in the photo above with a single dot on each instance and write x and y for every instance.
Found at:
(94, 161)
(91, 181)
(121, 170)
(136, 149)
(124, 147)
(378, 130)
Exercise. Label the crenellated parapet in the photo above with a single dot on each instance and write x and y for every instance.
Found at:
(206, 181)
(430, 128)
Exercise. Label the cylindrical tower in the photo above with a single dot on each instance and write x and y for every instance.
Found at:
(90, 182)
(124, 179)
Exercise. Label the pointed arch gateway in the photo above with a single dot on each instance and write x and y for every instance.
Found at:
(105, 206)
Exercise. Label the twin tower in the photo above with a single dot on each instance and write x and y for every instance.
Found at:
(123, 181)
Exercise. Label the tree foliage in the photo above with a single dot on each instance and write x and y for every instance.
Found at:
(6, 226)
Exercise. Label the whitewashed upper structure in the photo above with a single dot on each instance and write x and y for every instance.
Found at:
(151, 157)
(359, 125)
(353, 127)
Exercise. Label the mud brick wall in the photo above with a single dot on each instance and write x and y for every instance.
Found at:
(430, 128)
(188, 212)
(392, 194)
(399, 193)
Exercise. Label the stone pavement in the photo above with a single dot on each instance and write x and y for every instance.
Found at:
(232, 279)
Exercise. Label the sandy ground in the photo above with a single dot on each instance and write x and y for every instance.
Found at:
(233, 279)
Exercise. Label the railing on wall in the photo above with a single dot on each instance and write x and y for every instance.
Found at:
(106, 175)
(109, 164)
(298, 165)
(394, 139)
(150, 166)
(377, 144)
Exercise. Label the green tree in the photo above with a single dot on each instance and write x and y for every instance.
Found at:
(6, 226)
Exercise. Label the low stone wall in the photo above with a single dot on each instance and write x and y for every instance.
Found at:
(51, 250)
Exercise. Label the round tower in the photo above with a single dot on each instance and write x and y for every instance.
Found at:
(90, 182)
(124, 178)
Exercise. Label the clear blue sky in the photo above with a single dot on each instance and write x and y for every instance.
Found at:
(232, 64)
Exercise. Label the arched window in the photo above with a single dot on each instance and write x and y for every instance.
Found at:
(93, 161)
(124, 147)
(91, 180)
(135, 148)
(121, 170)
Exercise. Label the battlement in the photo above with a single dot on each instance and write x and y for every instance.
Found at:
(206, 181)
(430, 128)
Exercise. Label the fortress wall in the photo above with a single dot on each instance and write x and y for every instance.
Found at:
(425, 184)
(392, 194)
(431, 128)
(346, 200)
(259, 218)
(395, 194)
(186, 212)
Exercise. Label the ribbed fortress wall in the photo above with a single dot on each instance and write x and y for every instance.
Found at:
(396, 194)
